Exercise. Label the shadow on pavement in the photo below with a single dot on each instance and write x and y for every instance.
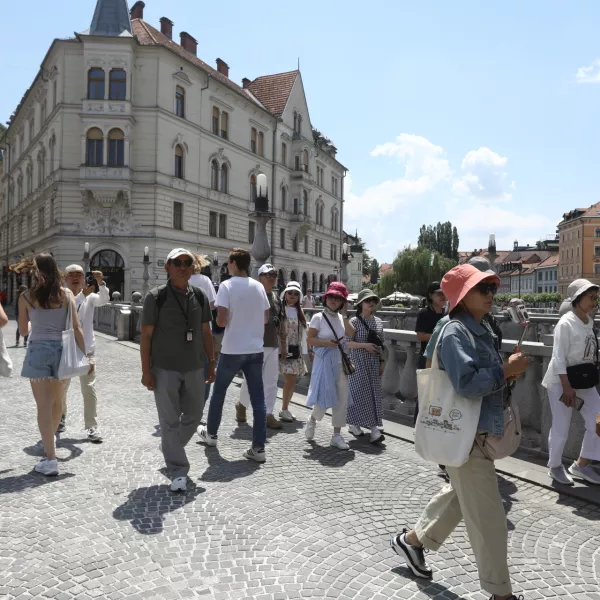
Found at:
(30, 480)
(328, 456)
(221, 469)
(426, 586)
(291, 427)
(580, 507)
(70, 444)
(146, 507)
(364, 445)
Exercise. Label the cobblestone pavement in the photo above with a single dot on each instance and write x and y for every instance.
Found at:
(313, 522)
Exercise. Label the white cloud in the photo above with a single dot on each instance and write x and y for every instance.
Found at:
(485, 176)
(589, 74)
(425, 166)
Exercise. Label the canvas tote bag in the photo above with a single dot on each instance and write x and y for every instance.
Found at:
(447, 422)
(73, 362)
(6, 365)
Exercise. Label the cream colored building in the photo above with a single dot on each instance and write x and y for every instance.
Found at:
(127, 139)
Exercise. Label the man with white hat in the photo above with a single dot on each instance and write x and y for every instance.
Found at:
(176, 336)
(89, 293)
(267, 275)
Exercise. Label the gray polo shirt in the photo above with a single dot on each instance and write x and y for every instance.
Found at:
(180, 311)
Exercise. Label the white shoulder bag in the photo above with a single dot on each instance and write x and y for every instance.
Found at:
(447, 422)
(6, 365)
(73, 362)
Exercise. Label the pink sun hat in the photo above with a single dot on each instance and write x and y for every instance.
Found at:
(459, 281)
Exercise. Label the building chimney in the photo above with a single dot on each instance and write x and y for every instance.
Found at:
(188, 43)
(166, 27)
(246, 83)
(222, 67)
(137, 10)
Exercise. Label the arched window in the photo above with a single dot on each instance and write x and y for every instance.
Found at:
(29, 179)
(180, 102)
(224, 179)
(261, 143)
(299, 124)
(118, 85)
(215, 120)
(224, 125)
(41, 162)
(305, 161)
(96, 84)
(295, 121)
(314, 282)
(52, 146)
(305, 202)
(20, 189)
(252, 188)
(179, 163)
(116, 148)
(214, 175)
(322, 283)
(95, 148)
(296, 206)
(253, 136)
(283, 198)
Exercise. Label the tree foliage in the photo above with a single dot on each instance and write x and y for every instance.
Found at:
(374, 273)
(541, 298)
(412, 273)
(442, 238)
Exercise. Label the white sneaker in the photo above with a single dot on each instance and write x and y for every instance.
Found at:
(309, 431)
(46, 467)
(94, 435)
(209, 440)
(179, 484)
(587, 473)
(287, 416)
(337, 441)
(257, 455)
(355, 430)
(376, 435)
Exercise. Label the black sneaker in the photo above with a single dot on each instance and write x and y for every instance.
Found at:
(414, 556)
(62, 426)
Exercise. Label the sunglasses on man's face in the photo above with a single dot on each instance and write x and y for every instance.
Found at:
(188, 262)
(270, 275)
(486, 288)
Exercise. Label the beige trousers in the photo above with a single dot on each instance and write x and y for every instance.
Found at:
(473, 496)
(90, 399)
(339, 412)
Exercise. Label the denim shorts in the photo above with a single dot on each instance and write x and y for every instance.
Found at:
(42, 359)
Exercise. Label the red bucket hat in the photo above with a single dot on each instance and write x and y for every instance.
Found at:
(338, 289)
(459, 281)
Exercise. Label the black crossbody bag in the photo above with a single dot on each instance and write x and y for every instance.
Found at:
(347, 363)
(585, 375)
(372, 336)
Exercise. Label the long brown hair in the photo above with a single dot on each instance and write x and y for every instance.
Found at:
(47, 289)
(298, 306)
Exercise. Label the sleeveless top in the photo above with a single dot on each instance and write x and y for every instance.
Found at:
(46, 323)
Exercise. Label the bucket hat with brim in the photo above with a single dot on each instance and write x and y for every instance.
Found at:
(365, 295)
(579, 287)
(459, 281)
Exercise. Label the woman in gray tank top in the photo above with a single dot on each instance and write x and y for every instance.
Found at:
(45, 308)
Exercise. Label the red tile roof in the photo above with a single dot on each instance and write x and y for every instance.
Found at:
(149, 36)
(274, 90)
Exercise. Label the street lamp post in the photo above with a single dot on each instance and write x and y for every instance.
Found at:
(345, 262)
(146, 275)
(214, 271)
(86, 256)
(261, 250)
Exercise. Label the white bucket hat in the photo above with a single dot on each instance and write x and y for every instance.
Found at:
(292, 286)
(579, 287)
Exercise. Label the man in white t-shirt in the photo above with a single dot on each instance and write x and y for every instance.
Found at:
(243, 309)
(86, 299)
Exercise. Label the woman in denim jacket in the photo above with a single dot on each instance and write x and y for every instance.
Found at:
(473, 494)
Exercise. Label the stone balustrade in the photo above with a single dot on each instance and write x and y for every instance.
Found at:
(399, 380)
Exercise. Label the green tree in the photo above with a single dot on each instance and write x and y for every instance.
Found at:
(386, 285)
(412, 270)
(442, 238)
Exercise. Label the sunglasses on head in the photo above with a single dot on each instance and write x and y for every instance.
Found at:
(188, 262)
(485, 288)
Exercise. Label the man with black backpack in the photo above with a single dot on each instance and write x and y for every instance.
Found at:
(176, 336)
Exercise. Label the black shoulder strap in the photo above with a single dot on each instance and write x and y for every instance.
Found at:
(331, 327)
(161, 296)
(363, 322)
(199, 293)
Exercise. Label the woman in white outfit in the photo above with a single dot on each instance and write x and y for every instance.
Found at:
(329, 383)
(571, 382)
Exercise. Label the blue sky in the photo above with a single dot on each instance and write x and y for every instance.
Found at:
(482, 113)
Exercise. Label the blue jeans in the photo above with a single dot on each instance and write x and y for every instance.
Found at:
(229, 365)
(207, 386)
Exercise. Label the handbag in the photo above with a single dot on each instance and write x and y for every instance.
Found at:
(495, 447)
(6, 365)
(585, 375)
(347, 364)
(73, 362)
(447, 422)
(372, 336)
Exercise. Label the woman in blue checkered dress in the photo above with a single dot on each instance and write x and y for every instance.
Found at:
(366, 409)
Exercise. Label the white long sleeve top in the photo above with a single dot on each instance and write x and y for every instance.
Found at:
(85, 312)
(574, 344)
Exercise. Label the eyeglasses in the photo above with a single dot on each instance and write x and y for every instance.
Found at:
(294, 293)
(336, 298)
(371, 300)
(270, 275)
(485, 288)
(188, 262)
